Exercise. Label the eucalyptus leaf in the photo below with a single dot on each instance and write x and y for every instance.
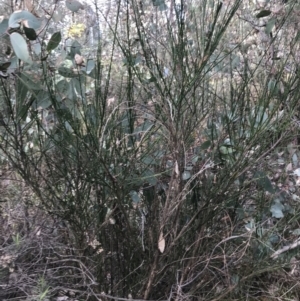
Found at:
(37, 48)
(42, 100)
(26, 17)
(296, 232)
(274, 238)
(57, 16)
(78, 86)
(20, 47)
(226, 150)
(277, 209)
(297, 172)
(270, 25)
(75, 49)
(163, 7)
(195, 159)
(148, 160)
(205, 145)
(62, 87)
(30, 33)
(138, 59)
(72, 92)
(235, 61)
(14, 64)
(67, 72)
(21, 91)
(68, 127)
(135, 196)
(3, 26)
(71, 105)
(289, 209)
(264, 182)
(186, 175)
(149, 176)
(251, 225)
(158, 3)
(54, 41)
(90, 65)
(295, 159)
(295, 198)
(74, 6)
(23, 104)
(31, 85)
(263, 13)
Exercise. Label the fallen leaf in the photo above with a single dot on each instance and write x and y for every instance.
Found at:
(176, 168)
(161, 243)
(289, 167)
(297, 172)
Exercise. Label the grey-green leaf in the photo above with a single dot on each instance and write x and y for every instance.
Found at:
(270, 25)
(78, 87)
(75, 49)
(42, 100)
(62, 87)
(134, 196)
(148, 160)
(3, 26)
(74, 6)
(186, 175)
(225, 150)
(194, 159)
(276, 209)
(296, 232)
(90, 65)
(20, 47)
(26, 17)
(263, 181)
(31, 85)
(149, 177)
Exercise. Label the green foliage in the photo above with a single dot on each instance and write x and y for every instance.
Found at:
(158, 145)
